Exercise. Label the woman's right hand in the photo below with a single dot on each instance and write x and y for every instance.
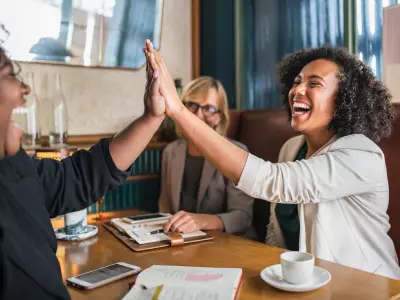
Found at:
(167, 87)
(184, 222)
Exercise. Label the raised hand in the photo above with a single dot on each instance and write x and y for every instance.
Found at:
(166, 87)
(154, 103)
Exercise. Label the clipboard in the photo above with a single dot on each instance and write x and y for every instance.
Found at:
(176, 240)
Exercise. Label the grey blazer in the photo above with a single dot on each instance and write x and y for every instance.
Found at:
(216, 195)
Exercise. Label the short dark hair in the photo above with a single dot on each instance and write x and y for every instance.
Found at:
(363, 103)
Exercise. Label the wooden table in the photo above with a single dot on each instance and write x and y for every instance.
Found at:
(225, 251)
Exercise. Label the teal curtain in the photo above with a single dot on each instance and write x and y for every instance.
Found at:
(217, 57)
(275, 28)
(141, 194)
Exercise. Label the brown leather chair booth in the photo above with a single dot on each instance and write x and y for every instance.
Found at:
(265, 131)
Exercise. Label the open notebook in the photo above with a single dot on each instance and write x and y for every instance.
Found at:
(177, 282)
(140, 232)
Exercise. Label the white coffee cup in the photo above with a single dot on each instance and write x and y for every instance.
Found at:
(75, 222)
(297, 267)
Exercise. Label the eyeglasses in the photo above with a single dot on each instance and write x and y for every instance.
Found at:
(208, 110)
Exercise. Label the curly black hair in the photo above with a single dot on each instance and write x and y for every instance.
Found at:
(3, 36)
(363, 103)
(4, 55)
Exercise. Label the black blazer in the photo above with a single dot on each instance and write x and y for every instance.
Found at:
(31, 192)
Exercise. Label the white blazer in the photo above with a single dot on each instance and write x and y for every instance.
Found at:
(343, 195)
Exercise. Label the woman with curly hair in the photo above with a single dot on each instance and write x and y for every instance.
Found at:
(338, 182)
(357, 110)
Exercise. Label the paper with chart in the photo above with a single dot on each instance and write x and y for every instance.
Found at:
(179, 282)
(140, 232)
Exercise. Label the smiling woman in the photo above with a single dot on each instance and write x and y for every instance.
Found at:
(12, 92)
(332, 177)
(191, 188)
(312, 99)
(34, 190)
(359, 102)
(315, 91)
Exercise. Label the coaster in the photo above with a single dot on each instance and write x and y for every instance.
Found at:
(87, 232)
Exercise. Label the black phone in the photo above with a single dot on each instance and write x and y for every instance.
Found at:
(148, 217)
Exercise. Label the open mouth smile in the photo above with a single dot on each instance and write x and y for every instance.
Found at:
(300, 108)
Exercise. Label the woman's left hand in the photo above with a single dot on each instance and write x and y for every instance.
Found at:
(184, 222)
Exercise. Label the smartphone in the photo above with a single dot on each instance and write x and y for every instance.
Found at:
(102, 276)
(148, 217)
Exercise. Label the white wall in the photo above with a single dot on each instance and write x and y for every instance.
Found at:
(104, 100)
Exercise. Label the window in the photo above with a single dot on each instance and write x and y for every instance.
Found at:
(369, 32)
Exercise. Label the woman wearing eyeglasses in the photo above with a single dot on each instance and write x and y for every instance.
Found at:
(199, 196)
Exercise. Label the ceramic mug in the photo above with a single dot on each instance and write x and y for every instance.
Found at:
(75, 222)
(297, 267)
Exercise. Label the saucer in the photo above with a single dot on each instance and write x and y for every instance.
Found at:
(273, 276)
(88, 231)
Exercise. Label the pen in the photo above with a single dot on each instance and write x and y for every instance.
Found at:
(156, 231)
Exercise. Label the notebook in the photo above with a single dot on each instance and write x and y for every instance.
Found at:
(178, 282)
(140, 232)
(136, 235)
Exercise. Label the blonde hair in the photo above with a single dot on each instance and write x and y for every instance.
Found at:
(202, 85)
